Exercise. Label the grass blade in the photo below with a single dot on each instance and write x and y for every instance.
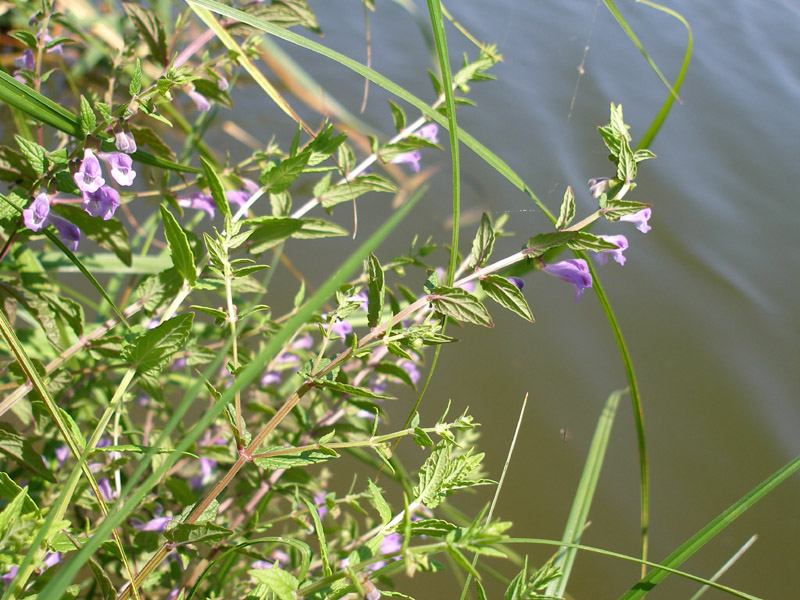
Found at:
(578, 515)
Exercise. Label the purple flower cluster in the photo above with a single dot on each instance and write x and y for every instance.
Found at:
(37, 216)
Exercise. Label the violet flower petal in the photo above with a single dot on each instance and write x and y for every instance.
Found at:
(411, 158)
(69, 232)
(36, 215)
(640, 218)
(89, 177)
(574, 271)
(124, 140)
(101, 203)
(199, 201)
(622, 244)
(429, 132)
(121, 167)
(200, 101)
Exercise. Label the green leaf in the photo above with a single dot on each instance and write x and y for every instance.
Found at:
(539, 244)
(26, 37)
(215, 187)
(348, 190)
(432, 527)
(614, 209)
(152, 351)
(626, 167)
(583, 240)
(395, 370)
(17, 448)
(379, 502)
(279, 177)
(88, 119)
(33, 153)
(288, 459)
(313, 229)
(323, 546)
(195, 533)
(10, 516)
(443, 473)
(136, 81)
(483, 243)
(422, 438)
(10, 490)
(376, 290)
(110, 235)
(181, 252)
(567, 212)
(278, 581)
(506, 294)
(346, 388)
(150, 30)
(460, 305)
(269, 231)
(398, 116)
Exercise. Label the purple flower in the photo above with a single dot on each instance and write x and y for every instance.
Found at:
(622, 244)
(574, 271)
(50, 559)
(124, 140)
(62, 453)
(207, 466)
(640, 218)
(412, 370)
(341, 328)
(199, 100)
(319, 502)
(271, 378)
(105, 489)
(391, 543)
(518, 283)
(121, 167)
(89, 177)
(47, 39)
(429, 132)
(25, 61)
(8, 577)
(198, 201)
(157, 523)
(412, 158)
(37, 216)
(599, 186)
(101, 203)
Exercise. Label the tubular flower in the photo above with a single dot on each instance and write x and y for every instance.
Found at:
(121, 167)
(622, 244)
(37, 216)
(200, 101)
(124, 140)
(198, 201)
(101, 203)
(640, 218)
(574, 271)
(599, 186)
(411, 158)
(89, 177)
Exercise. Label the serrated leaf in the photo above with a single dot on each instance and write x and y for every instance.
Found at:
(626, 165)
(348, 190)
(268, 232)
(26, 37)
(211, 312)
(539, 244)
(483, 243)
(288, 459)
(181, 252)
(33, 153)
(379, 502)
(441, 474)
(279, 177)
(215, 187)
(614, 209)
(376, 290)
(432, 527)
(278, 581)
(567, 212)
(10, 490)
(395, 370)
(104, 110)
(506, 294)
(136, 80)
(150, 30)
(313, 229)
(583, 240)
(195, 533)
(153, 350)
(88, 119)
(460, 305)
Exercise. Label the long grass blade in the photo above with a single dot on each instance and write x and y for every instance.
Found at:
(661, 116)
(578, 515)
(55, 589)
(728, 564)
(702, 537)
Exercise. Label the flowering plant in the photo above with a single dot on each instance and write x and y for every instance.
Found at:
(168, 429)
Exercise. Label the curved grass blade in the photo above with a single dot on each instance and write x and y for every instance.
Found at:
(629, 32)
(134, 490)
(661, 116)
(656, 566)
(698, 540)
(435, 10)
(578, 515)
(76, 261)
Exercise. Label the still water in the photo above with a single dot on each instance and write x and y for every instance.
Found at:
(707, 300)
